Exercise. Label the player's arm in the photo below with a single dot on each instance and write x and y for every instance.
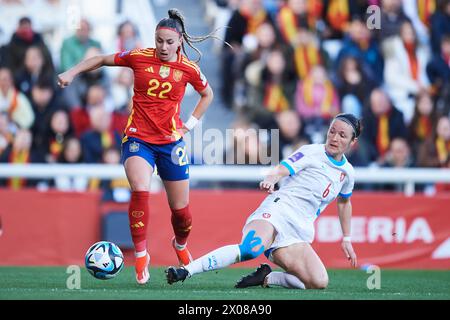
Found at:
(66, 78)
(344, 207)
(206, 97)
(272, 178)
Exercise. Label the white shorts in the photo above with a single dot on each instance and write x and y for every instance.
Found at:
(291, 224)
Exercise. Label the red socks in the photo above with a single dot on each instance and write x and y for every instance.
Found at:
(182, 224)
(138, 212)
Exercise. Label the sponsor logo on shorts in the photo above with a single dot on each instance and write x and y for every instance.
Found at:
(266, 215)
(134, 147)
(137, 214)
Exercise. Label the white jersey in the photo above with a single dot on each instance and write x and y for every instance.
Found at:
(315, 180)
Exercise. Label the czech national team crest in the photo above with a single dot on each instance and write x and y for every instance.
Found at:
(177, 75)
(342, 176)
(164, 71)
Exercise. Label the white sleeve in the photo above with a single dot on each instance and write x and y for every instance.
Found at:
(298, 160)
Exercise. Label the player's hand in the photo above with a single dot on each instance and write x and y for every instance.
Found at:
(349, 252)
(267, 186)
(65, 79)
(183, 130)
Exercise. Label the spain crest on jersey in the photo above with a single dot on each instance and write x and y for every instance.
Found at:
(164, 71)
(177, 75)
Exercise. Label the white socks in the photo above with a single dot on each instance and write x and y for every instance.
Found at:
(217, 259)
(285, 280)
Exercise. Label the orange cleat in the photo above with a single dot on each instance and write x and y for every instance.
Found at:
(141, 268)
(184, 256)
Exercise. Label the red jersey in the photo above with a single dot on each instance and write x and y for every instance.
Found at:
(159, 87)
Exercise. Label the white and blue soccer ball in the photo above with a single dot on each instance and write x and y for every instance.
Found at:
(104, 260)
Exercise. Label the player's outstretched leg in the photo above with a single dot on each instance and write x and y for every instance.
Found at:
(255, 278)
(176, 274)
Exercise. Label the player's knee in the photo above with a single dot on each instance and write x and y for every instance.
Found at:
(319, 282)
(139, 186)
(249, 246)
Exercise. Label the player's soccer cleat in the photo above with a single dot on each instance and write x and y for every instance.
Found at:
(141, 269)
(176, 274)
(255, 278)
(184, 256)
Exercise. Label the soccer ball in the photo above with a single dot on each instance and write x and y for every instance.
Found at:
(104, 260)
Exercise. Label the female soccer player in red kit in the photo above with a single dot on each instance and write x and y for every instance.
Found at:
(154, 132)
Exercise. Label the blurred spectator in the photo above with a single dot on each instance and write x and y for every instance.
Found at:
(307, 54)
(35, 69)
(399, 154)
(438, 70)
(440, 24)
(44, 102)
(23, 38)
(358, 43)
(128, 37)
(292, 17)
(405, 69)
(74, 48)
(423, 121)
(353, 85)
(6, 132)
(419, 12)
(392, 17)
(60, 128)
(76, 93)
(241, 35)
(100, 137)
(296, 29)
(20, 152)
(71, 153)
(95, 96)
(292, 132)
(13, 102)
(122, 89)
(316, 100)
(338, 14)
(436, 149)
(382, 123)
(245, 148)
(274, 92)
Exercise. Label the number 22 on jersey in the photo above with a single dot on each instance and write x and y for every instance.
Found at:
(154, 86)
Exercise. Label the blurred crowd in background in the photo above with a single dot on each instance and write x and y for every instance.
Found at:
(293, 66)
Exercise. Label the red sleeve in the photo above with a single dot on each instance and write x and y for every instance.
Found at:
(123, 59)
(198, 80)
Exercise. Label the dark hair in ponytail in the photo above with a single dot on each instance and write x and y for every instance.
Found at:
(354, 122)
(176, 21)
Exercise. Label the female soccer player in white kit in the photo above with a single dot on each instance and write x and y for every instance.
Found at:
(283, 225)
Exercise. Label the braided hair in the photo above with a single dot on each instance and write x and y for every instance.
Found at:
(176, 21)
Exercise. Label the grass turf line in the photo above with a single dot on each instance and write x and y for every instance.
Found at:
(50, 283)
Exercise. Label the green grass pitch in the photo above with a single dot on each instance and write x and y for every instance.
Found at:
(50, 283)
